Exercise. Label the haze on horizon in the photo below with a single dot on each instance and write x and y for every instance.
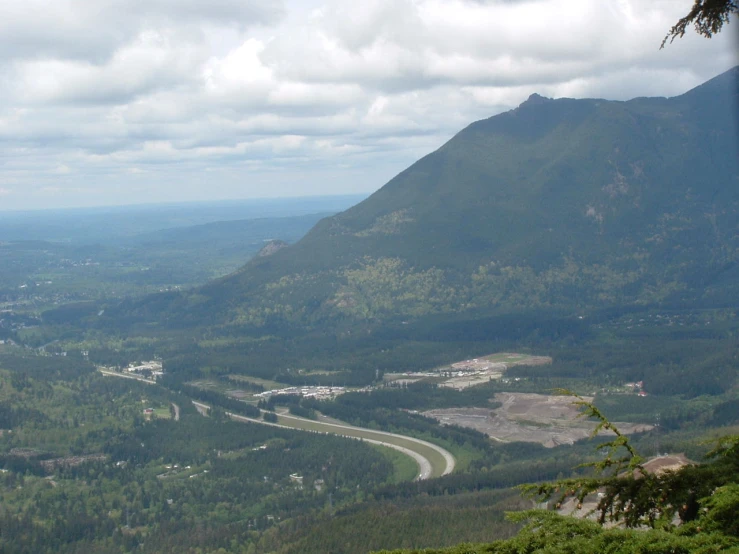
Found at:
(129, 102)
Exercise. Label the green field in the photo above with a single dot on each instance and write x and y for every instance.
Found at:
(406, 469)
(222, 387)
(162, 413)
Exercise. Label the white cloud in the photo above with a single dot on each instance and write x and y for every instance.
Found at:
(62, 170)
(151, 62)
(139, 100)
(240, 72)
(415, 44)
(94, 30)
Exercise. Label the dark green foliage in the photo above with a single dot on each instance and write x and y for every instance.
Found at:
(726, 413)
(162, 485)
(553, 534)
(47, 368)
(11, 416)
(283, 400)
(71, 312)
(699, 358)
(417, 522)
(214, 398)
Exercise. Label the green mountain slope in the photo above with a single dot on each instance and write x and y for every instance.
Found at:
(557, 204)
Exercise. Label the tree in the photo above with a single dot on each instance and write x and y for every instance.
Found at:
(630, 495)
(707, 16)
(640, 509)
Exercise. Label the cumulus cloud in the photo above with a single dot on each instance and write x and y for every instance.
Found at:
(144, 100)
(410, 44)
(150, 62)
(84, 30)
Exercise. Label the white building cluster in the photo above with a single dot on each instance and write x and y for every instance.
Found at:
(321, 393)
(153, 366)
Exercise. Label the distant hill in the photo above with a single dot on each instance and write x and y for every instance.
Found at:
(107, 223)
(246, 234)
(558, 204)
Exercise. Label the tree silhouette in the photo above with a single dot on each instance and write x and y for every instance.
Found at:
(707, 16)
(634, 497)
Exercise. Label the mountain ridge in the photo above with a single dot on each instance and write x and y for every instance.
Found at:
(558, 203)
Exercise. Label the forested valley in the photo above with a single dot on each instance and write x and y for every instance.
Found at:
(396, 374)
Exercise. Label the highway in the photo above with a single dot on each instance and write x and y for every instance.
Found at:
(418, 449)
(127, 376)
(432, 460)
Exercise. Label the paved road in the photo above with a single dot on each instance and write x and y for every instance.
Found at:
(425, 467)
(125, 376)
(201, 408)
(448, 457)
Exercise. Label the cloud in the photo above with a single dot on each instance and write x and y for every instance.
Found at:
(93, 31)
(151, 62)
(62, 170)
(140, 100)
(394, 45)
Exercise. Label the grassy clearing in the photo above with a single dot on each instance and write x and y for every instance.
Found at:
(266, 383)
(539, 424)
(222, 387)
(463, 455)
(507, 357)
(319, 372)
(162, 413)
(210, 384)
(406, 469)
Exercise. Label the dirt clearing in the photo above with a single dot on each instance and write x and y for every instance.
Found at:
(548, 420)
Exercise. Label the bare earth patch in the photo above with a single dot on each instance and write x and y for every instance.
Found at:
(477, 371)
(656, 465)
(548, 420)
(668, 462)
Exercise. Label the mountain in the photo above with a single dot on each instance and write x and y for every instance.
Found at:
(559, 204)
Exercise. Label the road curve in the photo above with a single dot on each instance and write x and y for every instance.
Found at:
(448, 457)
(424, 466)
(423, 462)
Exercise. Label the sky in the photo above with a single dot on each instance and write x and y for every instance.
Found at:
(115, 102)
